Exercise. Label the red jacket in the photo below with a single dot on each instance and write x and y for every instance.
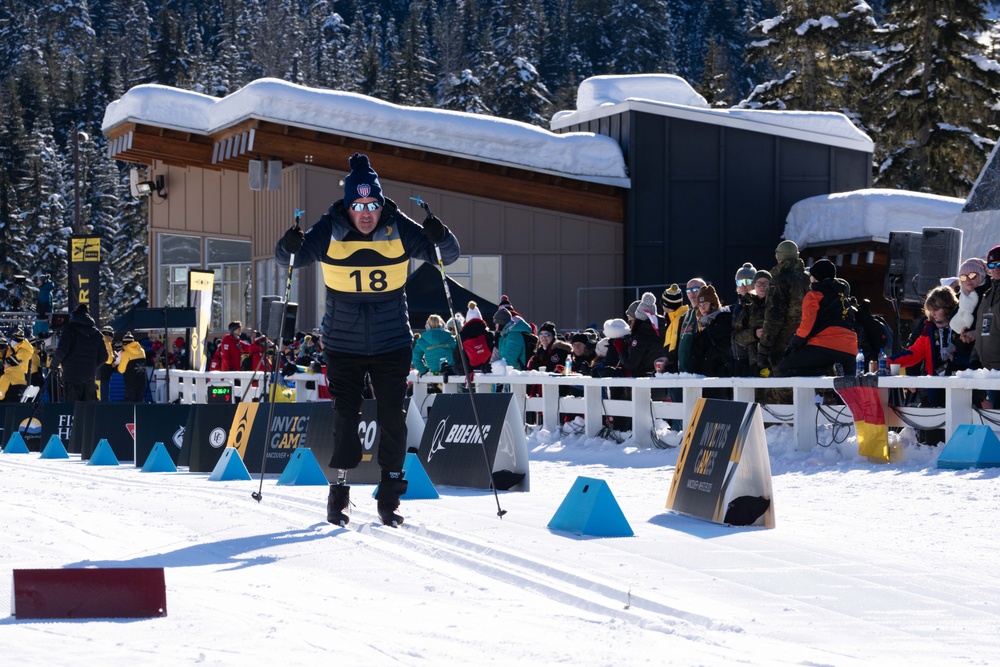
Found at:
(231, 351)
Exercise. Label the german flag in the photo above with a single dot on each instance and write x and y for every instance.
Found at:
(861, 396)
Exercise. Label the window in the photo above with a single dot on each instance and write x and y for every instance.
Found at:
(479, 274)
(228, 259)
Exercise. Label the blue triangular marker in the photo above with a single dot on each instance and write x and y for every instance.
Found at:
(54, 449)
(419, 486)
(303, 470)
(16, 444)
(159, 460)
(103, 455)
(971, 446)
(591, 509)
(229, 467)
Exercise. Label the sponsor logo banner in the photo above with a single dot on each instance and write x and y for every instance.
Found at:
(160, 422)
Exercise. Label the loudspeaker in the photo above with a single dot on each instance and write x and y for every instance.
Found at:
(903, 267)
(273, 320)
(274, 168)
(255, 174)
(940, 256)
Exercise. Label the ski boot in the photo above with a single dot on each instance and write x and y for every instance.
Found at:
(336, 504)
(390, 489)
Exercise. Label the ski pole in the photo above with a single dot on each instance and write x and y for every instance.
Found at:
(257, 495)
(465, 363)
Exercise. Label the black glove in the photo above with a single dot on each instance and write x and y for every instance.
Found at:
(293, 239)
(434, 229)
(762, 361)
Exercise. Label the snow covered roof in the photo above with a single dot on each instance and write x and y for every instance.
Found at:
(581, 156)
(866, 215)
(669, 95)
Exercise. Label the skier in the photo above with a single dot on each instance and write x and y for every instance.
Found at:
(364, 244)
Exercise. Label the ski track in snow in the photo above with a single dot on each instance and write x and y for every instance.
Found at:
(693, 587)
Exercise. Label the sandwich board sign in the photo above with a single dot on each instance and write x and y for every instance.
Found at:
(723, 472)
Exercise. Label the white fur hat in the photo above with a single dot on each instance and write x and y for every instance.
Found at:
(616, 328)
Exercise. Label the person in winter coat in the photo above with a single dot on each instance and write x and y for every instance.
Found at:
(711, 350)
(82, 352)
(612, 350)
(646, 344)
(511, 348)
(744, 287)
(674, 309)
(584, 353)
(435, 348)
(551, 353)
(108, 367)
(938, 346)
(364, 243)
(825, 336)
(17, 359)
(132, 366)
(986, 332)
(688, 326)
(783, 305)
(973, 283)
(748, 325)
(478, 343)
(232, 349)
(43, 301)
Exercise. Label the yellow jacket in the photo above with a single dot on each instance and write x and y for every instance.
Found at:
(130, 353)
(25, 353)
(111, 352)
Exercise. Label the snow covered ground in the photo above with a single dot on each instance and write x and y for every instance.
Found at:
(868, 564)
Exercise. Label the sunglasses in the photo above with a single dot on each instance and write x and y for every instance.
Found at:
(691, 289)
(992, 265)
(968, 276)
(545, 334)
(371, 206)
(744, 282)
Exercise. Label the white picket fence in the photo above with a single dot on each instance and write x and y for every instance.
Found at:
(803, 413)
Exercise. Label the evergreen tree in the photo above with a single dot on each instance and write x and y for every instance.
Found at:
(465, 94)
(410, 67)
(935, 99)
(515, 90)
(643, 37)
(812, 46)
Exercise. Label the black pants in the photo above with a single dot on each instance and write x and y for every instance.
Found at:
(105, 376)
(135, 386)
(346, 378)
(813, 360)
(80, 390)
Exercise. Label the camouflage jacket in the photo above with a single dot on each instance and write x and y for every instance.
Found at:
(783, 308)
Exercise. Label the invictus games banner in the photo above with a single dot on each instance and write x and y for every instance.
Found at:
(85, 274)
(249, 436)
(200, 287)
(723, 472)
(451, 449)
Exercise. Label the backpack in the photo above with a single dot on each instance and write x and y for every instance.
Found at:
(873, 331)
(476, 342)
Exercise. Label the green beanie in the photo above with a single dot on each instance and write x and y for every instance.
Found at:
(786, 250)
